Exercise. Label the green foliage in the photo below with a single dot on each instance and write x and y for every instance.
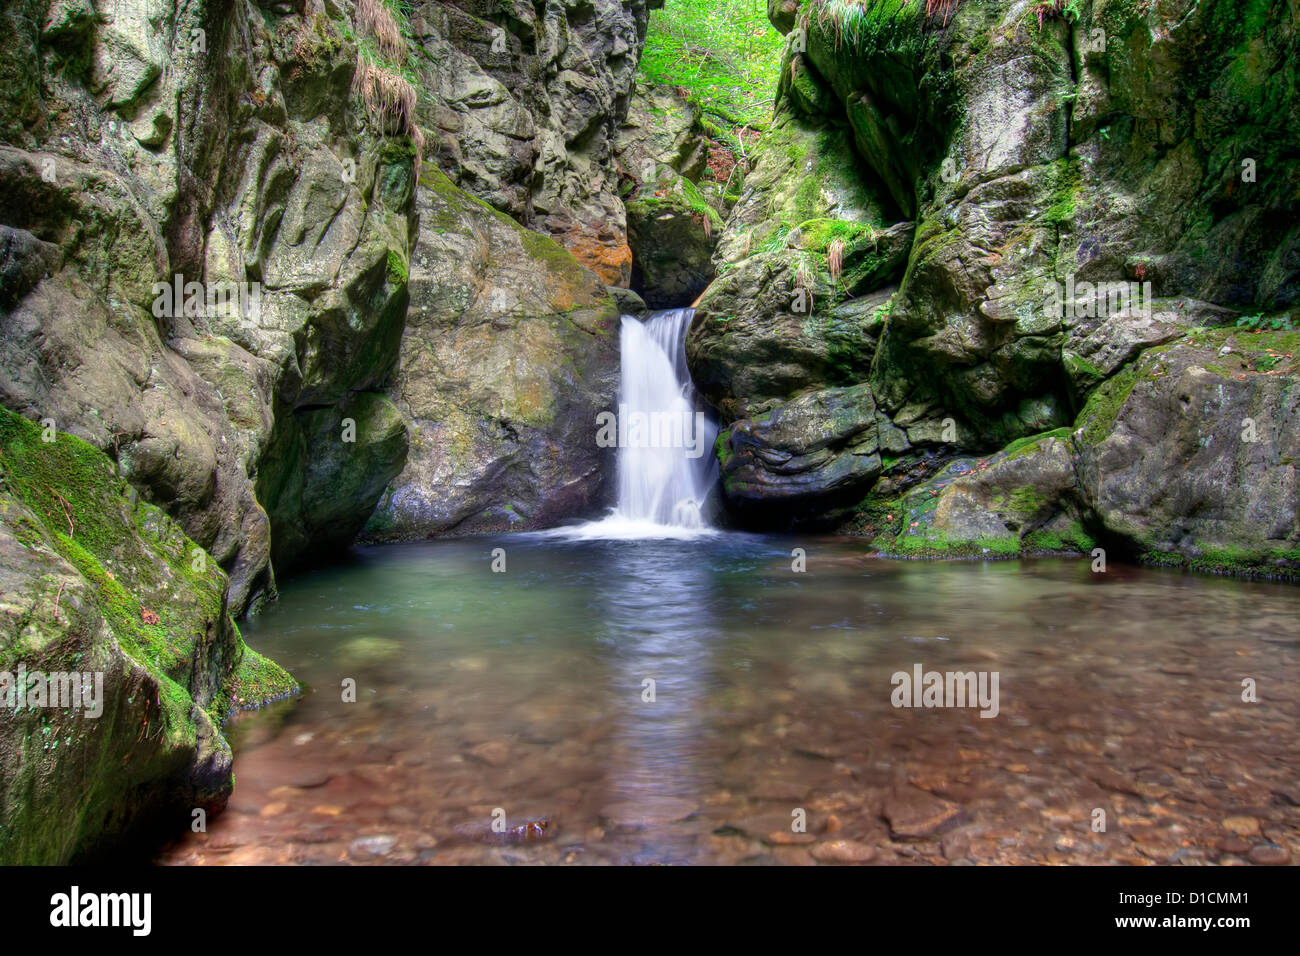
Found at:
(881, 314)
(725, 53)
(1069, 10)
(863, 28)
(1258, 323)
(819, 234)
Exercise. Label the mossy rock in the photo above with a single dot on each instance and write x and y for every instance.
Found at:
(96, 580)
(1191, 451)
(1018, 502)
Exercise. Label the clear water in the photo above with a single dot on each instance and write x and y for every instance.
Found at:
(523, 691)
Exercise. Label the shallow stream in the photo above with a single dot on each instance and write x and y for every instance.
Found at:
(522, 694)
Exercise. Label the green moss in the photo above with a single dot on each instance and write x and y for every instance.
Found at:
(1081, 371)
(1077, 536)
(1043, 541)
(147, 643)
(177, 706)
(683, 194)
(1024, 445)
(722, 448)
(1162, 559)
(1241, 562)
(545, 250)
(818, 234)
(807, 199)
(936, 544)
(869, 26)
(125, 548)
(1026, 500)
(397, 269)
(259, 681)
(1073, 540)
(1097, 419)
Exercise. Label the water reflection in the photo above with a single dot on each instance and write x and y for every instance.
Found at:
(523, 691)
(658, 623)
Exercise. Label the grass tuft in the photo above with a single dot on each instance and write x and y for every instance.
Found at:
(375, 19)
(835, 257)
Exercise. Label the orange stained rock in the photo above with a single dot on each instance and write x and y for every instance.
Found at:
(612, 261)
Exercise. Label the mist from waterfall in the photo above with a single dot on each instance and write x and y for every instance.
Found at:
(665, 432)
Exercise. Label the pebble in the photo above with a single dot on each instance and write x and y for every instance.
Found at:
(915, 813)
(793, 856)
(843, 851)
(653, 812)
(520, 730)
(372, 845)
(1242, 826)
(1233, 845)
(494, 753)
(1269, 854)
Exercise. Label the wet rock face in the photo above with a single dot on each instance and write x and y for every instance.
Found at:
(245, 158)
(525, 103)
(256, 400)
(96, 582)
(799, 460)
(1020, 501)
(1050, 244)
(1190, 452)
(673, 221)
(239, 163)
(672, 230)
(661, 129)
(510, 353)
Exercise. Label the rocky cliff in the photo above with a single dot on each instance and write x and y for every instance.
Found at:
(267, 263)
(1005, 276)
(525, 101)
(1015, 276)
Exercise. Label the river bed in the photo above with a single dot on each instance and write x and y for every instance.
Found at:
(521, 696)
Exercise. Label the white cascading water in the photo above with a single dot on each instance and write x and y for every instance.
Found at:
(663, 485)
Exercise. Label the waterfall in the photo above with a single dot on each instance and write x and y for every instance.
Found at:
(659, 482)
(664, 433)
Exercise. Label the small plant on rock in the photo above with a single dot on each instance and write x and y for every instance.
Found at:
(835, 257)
(1257, 323)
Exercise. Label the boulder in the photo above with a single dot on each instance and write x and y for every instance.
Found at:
(803, 458)
(1189, 455)
(673, 232)
(96, 581)
(510, 353)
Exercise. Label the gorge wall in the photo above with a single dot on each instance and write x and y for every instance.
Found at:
(263, 264)
(277, 275)
(1010, 279)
